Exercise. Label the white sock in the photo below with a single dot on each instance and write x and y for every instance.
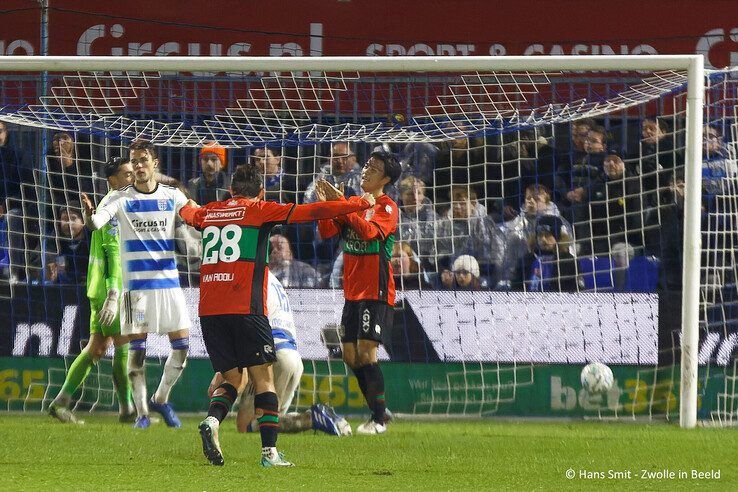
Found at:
(173, 368)
(137, 374)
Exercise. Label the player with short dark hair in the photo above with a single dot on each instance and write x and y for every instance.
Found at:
(144, 146)
(233, 299)
(104, 286)
(368, 281)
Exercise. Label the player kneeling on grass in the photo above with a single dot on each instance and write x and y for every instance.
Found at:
(104, 285)
(153, 301)
(287, 372)
(233, 299)
(368, 281)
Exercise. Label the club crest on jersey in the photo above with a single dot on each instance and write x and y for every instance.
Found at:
(162, 203)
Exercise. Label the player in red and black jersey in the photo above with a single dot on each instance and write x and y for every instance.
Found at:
(368, 283)
(233, 293)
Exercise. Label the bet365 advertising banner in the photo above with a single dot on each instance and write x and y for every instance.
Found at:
(418, 388)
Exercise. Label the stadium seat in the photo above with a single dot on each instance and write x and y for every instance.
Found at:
(597, 273)
(642, 274)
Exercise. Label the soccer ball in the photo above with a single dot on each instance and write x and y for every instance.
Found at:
(596, 378)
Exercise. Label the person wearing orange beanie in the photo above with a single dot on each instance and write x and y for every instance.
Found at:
(215, 149)
(214, 183)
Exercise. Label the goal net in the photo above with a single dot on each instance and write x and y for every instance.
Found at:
(541, 226)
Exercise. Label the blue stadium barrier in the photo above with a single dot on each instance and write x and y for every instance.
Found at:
(596, 272)
(642, 274)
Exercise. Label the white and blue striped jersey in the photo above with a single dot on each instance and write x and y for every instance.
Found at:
(280, 315)
(146, 223)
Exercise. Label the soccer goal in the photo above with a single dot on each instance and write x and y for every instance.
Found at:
(554, 211)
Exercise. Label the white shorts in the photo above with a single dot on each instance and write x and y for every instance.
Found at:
(153, 311)
(287, 374)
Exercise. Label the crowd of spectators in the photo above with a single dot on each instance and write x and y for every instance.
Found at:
(15, 171)
(502, 212)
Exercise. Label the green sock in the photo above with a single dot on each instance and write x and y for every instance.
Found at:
(77, 373)
(120, 375)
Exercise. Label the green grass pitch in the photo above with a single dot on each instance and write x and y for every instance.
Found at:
(38, 453)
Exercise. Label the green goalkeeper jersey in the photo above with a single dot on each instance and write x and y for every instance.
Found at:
(104, 268)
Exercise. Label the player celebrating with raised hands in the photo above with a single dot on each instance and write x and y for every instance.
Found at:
(233, 299)
(153, 301)
(368, 282)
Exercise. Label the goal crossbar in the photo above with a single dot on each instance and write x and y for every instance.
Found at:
(339, 63)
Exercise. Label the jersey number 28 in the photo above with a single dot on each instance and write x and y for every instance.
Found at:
(221, 244)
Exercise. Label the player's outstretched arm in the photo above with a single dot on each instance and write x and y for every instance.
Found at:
(96, 219)
(328, 228)
(192, 213)
(329, 210)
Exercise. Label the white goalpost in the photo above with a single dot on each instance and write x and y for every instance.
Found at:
(489, 95)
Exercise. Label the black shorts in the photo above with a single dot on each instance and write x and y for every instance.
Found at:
(365, 320)
(237, 340)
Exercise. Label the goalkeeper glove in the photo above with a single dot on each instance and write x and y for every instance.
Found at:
(110, 309)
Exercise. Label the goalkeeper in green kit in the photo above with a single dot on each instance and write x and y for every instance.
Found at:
(104, 286)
